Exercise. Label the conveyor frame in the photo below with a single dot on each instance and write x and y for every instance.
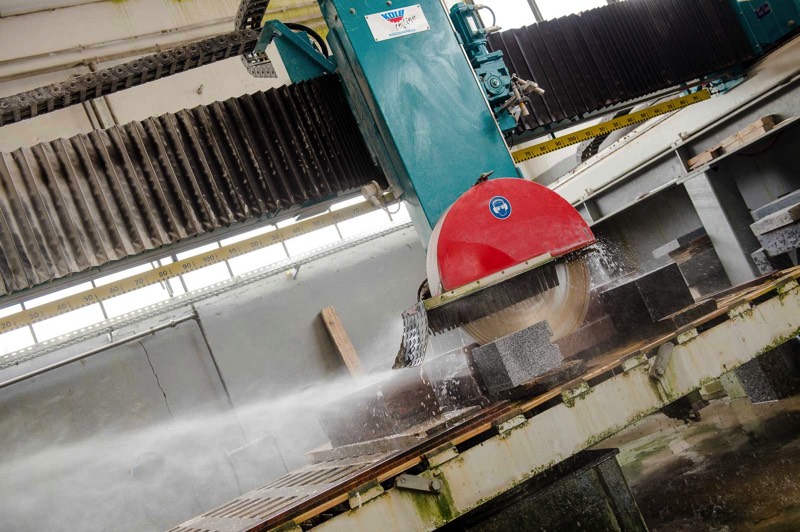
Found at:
(509, 442)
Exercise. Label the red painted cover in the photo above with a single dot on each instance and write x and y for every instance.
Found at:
(504, 222)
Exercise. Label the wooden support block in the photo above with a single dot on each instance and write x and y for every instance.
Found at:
(765, 123)
(343, 344)
(705, 157)
(759, 127)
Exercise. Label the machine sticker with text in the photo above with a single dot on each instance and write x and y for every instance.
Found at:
(500, 207)
(763, 10)
(397, 22)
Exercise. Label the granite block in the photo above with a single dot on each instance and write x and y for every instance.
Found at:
(771, 376)
(596, 310)
(781, 203)
(454, 381)
(767, 264)
(708, 286)
(680, 242)
(379, 410)
(781, 240)
(701, 266)
(627, 308)
(776, 220)
(664, 291)
(516, 358)
(688, 315)
(586, 337)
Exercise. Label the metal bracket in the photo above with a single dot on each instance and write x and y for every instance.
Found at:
(658, 369)
(364, 494)
(739, 310)
(685, 336)
(661, 361)
(302, 61)
(440, 455)
(634, 362)
(569, 396)
(416, 483)
(509, 423)
(787, 287)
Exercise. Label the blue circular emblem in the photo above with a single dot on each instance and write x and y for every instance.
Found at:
(500, 207)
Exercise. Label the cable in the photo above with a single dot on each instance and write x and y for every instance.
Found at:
(490, 10)
(314, 35)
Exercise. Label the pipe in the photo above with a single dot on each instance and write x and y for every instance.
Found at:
(92, 352)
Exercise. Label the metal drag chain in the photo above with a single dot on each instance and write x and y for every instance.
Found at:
(415, 337)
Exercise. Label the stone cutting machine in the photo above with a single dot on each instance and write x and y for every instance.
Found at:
(433, 104)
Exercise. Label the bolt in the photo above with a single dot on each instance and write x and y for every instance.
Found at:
(494, 82)
(436, 485)
(388, 2)
(352, 11)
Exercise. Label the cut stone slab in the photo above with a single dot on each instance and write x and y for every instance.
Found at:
(776, 220)
(664, 291)
(680, 242)
(547, 381)
(516, 358)
(692, 313)
(627, 309)
(771, 376)
(387, 408)
(637, 305)
(586, 337)
(782, 240)
(779, 204)
(454, 381)
(767, 264)
(700, 266)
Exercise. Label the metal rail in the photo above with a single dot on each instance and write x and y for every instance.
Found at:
(508, 443)
(97, 350)
(107, 81)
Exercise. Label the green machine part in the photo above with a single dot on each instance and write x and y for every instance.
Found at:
(767, 21)
(417, 100)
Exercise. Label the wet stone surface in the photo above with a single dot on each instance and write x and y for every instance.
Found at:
(738, 468)
(516, 358)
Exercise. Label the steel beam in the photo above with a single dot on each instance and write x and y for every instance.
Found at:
(770, 83)
(726, 219)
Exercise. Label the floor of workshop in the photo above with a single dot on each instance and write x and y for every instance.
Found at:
(738, 468)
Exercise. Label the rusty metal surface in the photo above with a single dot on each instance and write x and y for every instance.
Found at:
(307, 494)
(73, 204)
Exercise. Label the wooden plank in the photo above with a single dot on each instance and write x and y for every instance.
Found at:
(342, 341)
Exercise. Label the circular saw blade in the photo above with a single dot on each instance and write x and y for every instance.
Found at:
(564, 307)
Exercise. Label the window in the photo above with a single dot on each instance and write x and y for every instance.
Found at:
(310, 241)
(65, 323)
(559, 8)
(259, 258)
(363, 225)
(204, 276)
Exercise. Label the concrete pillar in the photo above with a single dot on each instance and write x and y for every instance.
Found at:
(726, 219)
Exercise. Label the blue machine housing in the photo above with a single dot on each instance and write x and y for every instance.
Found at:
(766, 22)
(418, 102)
(490, 67)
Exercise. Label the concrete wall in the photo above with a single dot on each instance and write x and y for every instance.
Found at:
(143, 436)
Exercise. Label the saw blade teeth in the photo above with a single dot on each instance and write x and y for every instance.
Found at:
(415, 337)
(489, 300)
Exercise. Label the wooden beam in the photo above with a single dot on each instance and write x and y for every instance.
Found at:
(342, 341)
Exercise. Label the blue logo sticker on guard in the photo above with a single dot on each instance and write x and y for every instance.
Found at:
(394, 16)
(500, 207)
